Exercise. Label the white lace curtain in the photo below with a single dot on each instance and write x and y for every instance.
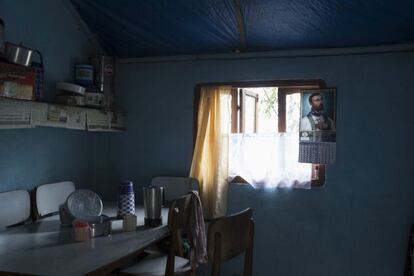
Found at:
(268, 160)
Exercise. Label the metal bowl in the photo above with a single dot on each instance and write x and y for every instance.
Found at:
(101, 226)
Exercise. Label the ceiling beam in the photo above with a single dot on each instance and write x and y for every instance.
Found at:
(297, 53)
(240, 26)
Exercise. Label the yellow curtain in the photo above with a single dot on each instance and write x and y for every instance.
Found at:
(210, 158)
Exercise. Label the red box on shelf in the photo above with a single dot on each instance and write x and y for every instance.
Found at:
(17, 81)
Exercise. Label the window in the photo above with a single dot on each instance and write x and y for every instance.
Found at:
(264, 133)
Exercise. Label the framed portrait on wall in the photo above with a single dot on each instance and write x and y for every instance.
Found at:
(318, 115)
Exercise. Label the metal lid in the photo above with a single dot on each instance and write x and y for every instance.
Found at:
(84, 204)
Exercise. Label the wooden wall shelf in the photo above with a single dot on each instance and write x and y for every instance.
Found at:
(30, 114)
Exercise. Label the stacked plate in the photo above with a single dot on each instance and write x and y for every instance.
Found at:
(81, 204)
(72, 94)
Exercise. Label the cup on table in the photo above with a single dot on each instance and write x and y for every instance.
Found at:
(153, 198)
(129, 222)
(80, 230)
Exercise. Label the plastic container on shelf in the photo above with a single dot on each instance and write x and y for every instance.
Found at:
(84, 75)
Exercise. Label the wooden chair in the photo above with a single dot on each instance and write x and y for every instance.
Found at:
(175, 187)
(161, 264)
(410, 254)
(48, 198)
(229, 237)
(14, 208)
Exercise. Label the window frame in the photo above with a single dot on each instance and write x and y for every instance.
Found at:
(285, 87)
(238, 114)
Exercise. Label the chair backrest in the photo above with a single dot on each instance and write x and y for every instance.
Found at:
(49, 197)
(178, 219)
(14, 207)
(175, 187)
(179, 212)
(229, 237)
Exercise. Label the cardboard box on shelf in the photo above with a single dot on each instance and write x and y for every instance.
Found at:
(17, 81)
(93, 99)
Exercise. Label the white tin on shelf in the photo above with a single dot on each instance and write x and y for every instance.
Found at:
(71, 87)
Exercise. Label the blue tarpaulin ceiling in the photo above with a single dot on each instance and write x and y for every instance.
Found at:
(141, 28)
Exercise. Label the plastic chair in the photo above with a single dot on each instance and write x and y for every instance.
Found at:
(49, 197)
(158, 264)
(175, 187)
(14, 208)
(229, 237)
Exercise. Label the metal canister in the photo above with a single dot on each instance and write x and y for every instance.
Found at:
(104, 76)
(1, 37)
(126, 199)
(18, 54)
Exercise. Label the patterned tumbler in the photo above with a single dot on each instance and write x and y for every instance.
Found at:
(126, 199)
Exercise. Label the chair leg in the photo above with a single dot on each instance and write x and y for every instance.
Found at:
(217, 255)
(248, 258)
(170, 268)
(410, 250)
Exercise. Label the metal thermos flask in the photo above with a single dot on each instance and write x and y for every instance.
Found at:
(153, 197)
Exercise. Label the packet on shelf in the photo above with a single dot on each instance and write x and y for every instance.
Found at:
(17, 81)
(80, 230)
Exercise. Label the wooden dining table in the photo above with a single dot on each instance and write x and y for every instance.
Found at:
(46, 247)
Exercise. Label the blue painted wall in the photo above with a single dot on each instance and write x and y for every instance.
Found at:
(357, 224)
(29, 157)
